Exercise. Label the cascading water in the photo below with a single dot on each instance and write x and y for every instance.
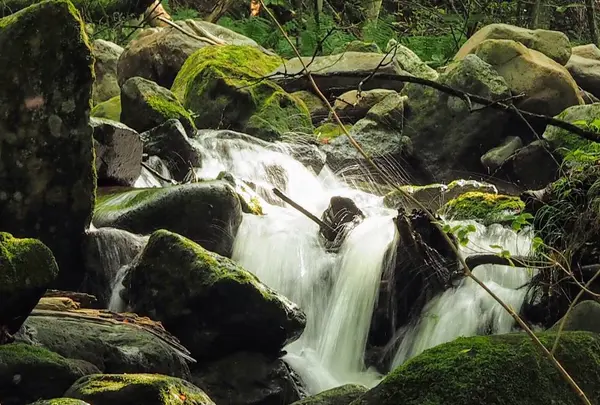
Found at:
(337, 291)
(467, 310)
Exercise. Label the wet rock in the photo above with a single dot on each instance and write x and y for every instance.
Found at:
(27, 268)
(145, 105)
(562, 141)
(494, 158)
(159, 53)
(341, 216)
(359, 46)
(61, 401)
(584, 316)
(225, 87)
(135, 389)
(209, 213)
(547, 85)
(459, 135)
(247, 379)
(106, 250)
(476, 363)
(316, 107)
(532, 167)
(109, 109)
(47, 177)
(350, 107)
(553, 44)
(342, 395)
(118, 153)
(170, 142)
(336, 74)
(211, 304)
(410, 62)
(111, 347)
(29, 373)
(584, 66)
(106, 85)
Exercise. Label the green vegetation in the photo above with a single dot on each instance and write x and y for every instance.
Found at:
(501, 369)
(487, 208)
(110, 109)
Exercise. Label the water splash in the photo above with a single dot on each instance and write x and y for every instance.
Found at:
(337, 291)
(468, 310)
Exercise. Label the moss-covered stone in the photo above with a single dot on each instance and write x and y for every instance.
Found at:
(563, 142)
(501, 369)
(210, 303)
(359, 46)
(342, 395)
(487, 208)
(136, 389)
(330, 131)
(27, 267)
(209, 213)
(61, 401)
(47, 176)
(29, 373)
(146, 105)
(225, 88)
(316, 107)
(109, 109)
(113, 348)
(106, 85)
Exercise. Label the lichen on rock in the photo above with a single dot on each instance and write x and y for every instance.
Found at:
(109, 109)
(226, 88)
(47, 175)
(487, 208)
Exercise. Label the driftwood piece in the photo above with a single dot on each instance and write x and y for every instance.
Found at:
(91, 10)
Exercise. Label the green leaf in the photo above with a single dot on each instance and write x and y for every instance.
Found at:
(496, 247)
(465, 351)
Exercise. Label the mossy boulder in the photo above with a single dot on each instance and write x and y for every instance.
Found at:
(136, 389)
(584, 66)
(316, 107)
(109, 109)
(487, 208)
(563, 142)
(47, 176)
(459, 135)
(106, 55)
(112, 348)
(145, 105)
(584, 316)
(359, 46)
(342, 395)
(553, 44)
(225, 87)
(211, 304)
(27, 267)
(29, 373)
(245, 378)
(352, 105)
(329, 131)
(500, 369)
(61, 401)
(209, 213)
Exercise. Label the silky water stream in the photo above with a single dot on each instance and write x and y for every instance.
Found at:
(338, 291)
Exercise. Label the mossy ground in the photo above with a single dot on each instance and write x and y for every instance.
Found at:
(226, 88)
(501, 369)
(109, 109)
(484, 207)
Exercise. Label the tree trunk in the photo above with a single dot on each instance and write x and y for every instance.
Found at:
(372, 9)
(591, 17)
(535, 14)
(91, 10)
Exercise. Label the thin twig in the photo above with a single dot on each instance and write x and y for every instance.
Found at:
(450, 243)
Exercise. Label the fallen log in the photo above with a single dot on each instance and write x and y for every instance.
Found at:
(91, 10)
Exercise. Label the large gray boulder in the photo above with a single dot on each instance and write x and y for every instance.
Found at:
(446, 137)
(208, 213)
(106, 85)
(584, 66)
(211, 304)
(47, 176)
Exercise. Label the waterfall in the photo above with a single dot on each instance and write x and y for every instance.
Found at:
(337, 291)
(467, 310)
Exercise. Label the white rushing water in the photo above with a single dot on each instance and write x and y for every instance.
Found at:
(468, 310)
(338, 291)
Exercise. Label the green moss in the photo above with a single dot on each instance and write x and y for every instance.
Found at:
(501, 369)
(225, 88)
(109, 109)
(24, 264)
(484, 207)
(123, 200)
(342, 395)
(61, 401)
(149, 389)
(330, 131)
